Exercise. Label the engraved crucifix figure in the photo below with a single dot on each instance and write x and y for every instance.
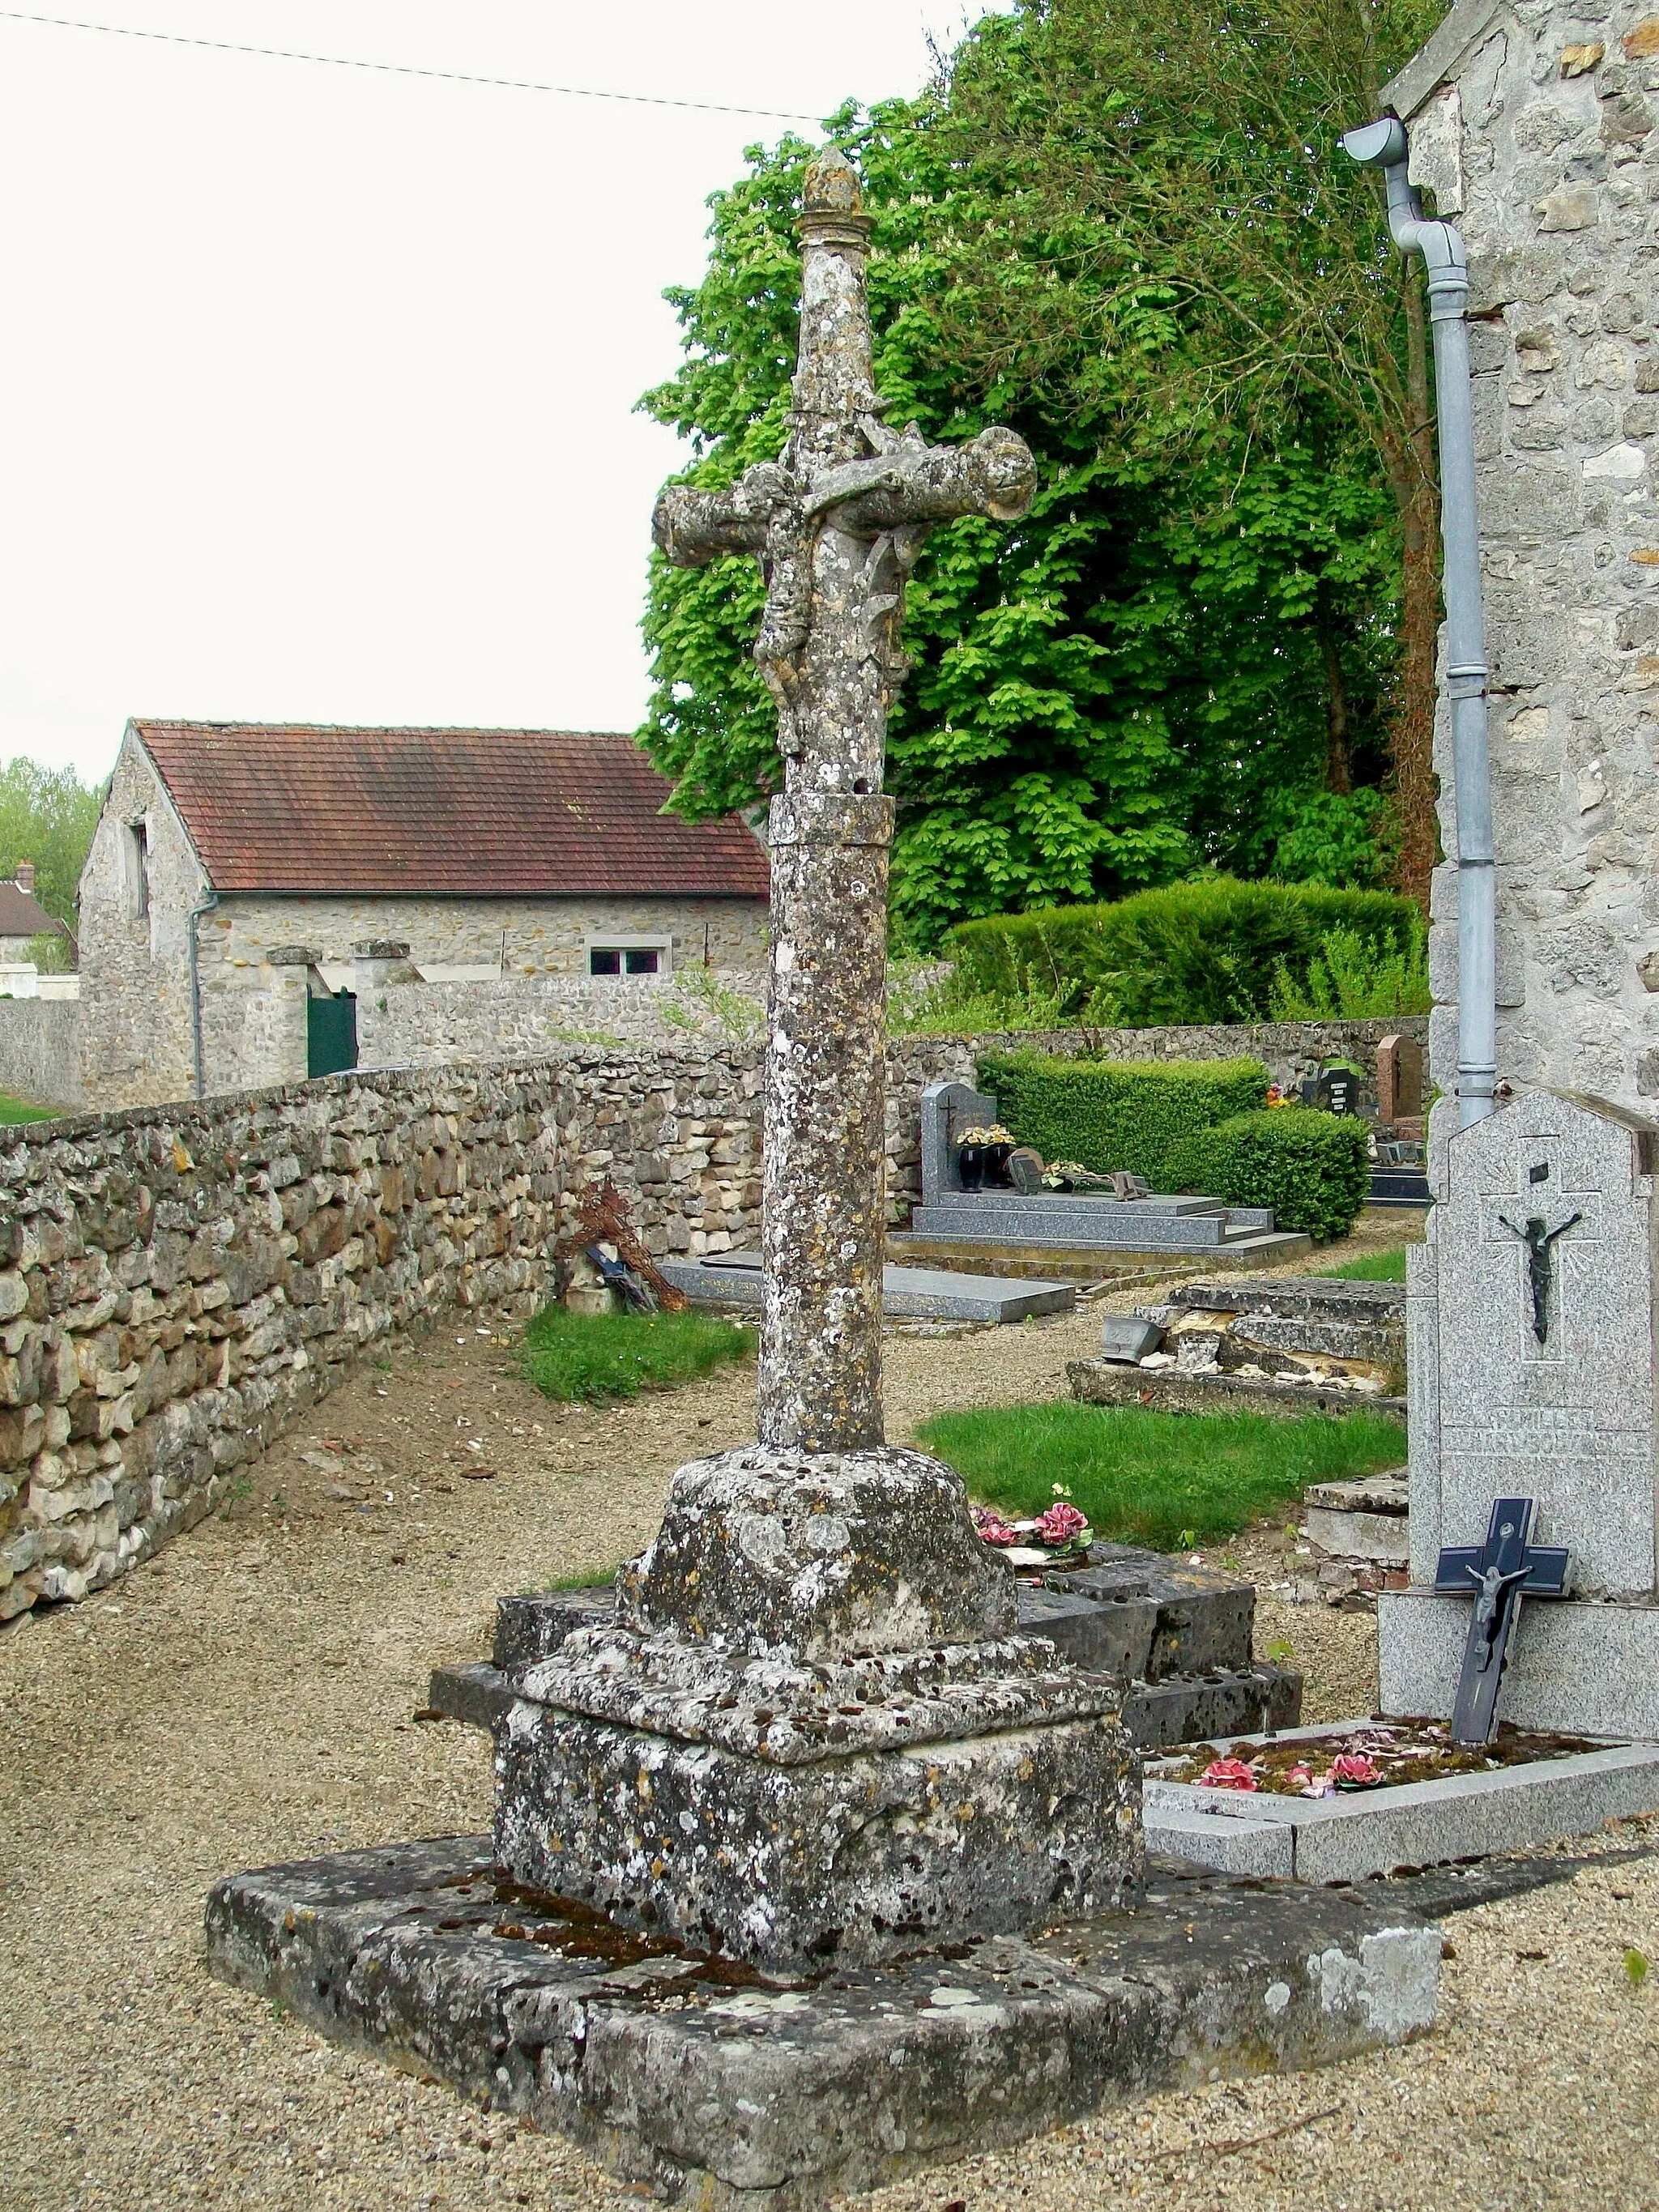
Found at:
(1539, 1240)
(837, 524)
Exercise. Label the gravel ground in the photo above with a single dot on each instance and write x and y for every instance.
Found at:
(249, 1696)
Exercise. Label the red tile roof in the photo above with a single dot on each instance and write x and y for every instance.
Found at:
(478, 813)
(22, 915)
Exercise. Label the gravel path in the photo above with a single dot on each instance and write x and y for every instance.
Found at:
(248, 1697)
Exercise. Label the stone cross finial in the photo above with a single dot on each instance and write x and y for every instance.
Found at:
(836, 523)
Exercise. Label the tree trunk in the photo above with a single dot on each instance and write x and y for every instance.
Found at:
(1338, 749)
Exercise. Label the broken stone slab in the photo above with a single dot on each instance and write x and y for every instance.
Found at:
(1307, 1298)
(1104, 1382)
(1351, 1836)
(1126, 1337)
(692, 2076)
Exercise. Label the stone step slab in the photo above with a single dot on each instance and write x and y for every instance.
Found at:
(1119, 1266)
(713, 2086)
(1146, 1224)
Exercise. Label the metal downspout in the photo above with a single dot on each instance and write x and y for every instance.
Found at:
(205, 906)
(1384, 146)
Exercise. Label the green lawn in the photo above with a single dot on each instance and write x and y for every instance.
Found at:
(13, 1110)
(1375, 1268)
(591, 1357)
(1167, 1479)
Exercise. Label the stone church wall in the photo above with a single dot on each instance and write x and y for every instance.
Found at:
(1533, 128)
(40, 1051)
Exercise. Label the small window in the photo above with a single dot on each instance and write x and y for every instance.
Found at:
(628, 959)
(138, 867)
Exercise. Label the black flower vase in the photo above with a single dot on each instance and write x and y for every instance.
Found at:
(996, 1166)
(970, 1162)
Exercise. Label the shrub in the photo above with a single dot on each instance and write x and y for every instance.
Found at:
(591, 1358)
(1209, 951)
(1105, 1114)
(1313, 1169)
(1355, 978)
(929, 999)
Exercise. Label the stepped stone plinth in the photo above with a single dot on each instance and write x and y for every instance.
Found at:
(812, 1731)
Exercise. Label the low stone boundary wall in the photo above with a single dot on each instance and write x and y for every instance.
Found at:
(177, 1282)
(40, 1051)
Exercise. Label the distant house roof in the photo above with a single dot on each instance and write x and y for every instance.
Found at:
(479, 813)
(22, 915)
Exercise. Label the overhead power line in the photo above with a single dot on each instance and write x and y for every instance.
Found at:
(404, 68)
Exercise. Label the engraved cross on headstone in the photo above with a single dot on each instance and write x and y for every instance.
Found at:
(1498, 1574)
(837, 524)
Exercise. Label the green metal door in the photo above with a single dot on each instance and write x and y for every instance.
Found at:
(332, 1034)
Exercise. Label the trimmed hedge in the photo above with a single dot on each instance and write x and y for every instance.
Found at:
(1209, 951)
(1313, 1169)
(1104, 1114)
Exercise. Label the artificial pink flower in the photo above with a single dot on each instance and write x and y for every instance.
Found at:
(1354, 1767)
(1061, 1524)
(992, 1527)
(1228, 1774)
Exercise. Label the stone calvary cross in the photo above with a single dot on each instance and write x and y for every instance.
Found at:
(837, 524)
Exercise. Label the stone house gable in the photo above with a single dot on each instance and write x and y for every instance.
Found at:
(238, 870)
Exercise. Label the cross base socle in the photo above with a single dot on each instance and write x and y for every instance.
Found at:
(686, 2073)
(842, 1859)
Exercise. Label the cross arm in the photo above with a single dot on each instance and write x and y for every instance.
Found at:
(694, 527)
(914, 483)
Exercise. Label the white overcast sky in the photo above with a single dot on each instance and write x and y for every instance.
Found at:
(317, 387)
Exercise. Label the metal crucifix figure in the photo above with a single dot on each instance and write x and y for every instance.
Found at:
(1498, 1573)
(837, 524)
(1540, 1243)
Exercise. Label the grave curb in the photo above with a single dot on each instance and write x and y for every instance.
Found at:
(1351, 1837)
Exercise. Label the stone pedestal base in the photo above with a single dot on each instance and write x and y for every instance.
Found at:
(849, 1860)
(1578, 1669)
(680, 2072)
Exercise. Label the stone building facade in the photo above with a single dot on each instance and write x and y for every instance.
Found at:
(1534, 126)
(236, 871)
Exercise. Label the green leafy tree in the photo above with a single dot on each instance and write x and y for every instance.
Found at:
(1142, 677)
(47, 815)
(1170, 169)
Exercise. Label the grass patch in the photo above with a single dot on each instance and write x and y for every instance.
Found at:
(589, 1578)
(590, 1359)
(1374, 1267)
(13, 1110)
(1168, 1479)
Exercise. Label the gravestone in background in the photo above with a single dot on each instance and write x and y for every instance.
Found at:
(1398, 1079)
(946, 1109)
(1530, 1320)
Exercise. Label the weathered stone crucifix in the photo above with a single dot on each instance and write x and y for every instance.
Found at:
(836, 523)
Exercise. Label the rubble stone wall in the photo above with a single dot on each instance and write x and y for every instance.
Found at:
(178, 1283)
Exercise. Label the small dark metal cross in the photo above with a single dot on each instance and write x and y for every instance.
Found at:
(1498, 1574)
(1540, 1243)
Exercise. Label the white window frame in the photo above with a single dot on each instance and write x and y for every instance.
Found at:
(615, 941)
(136, 851)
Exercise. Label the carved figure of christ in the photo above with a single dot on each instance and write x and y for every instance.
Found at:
(837, 524)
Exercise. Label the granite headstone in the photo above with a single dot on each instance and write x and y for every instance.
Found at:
(1530, 1315)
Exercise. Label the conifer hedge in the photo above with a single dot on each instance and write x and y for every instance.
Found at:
(1207, 951)
(1313, 1169)
(1107, 1114)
